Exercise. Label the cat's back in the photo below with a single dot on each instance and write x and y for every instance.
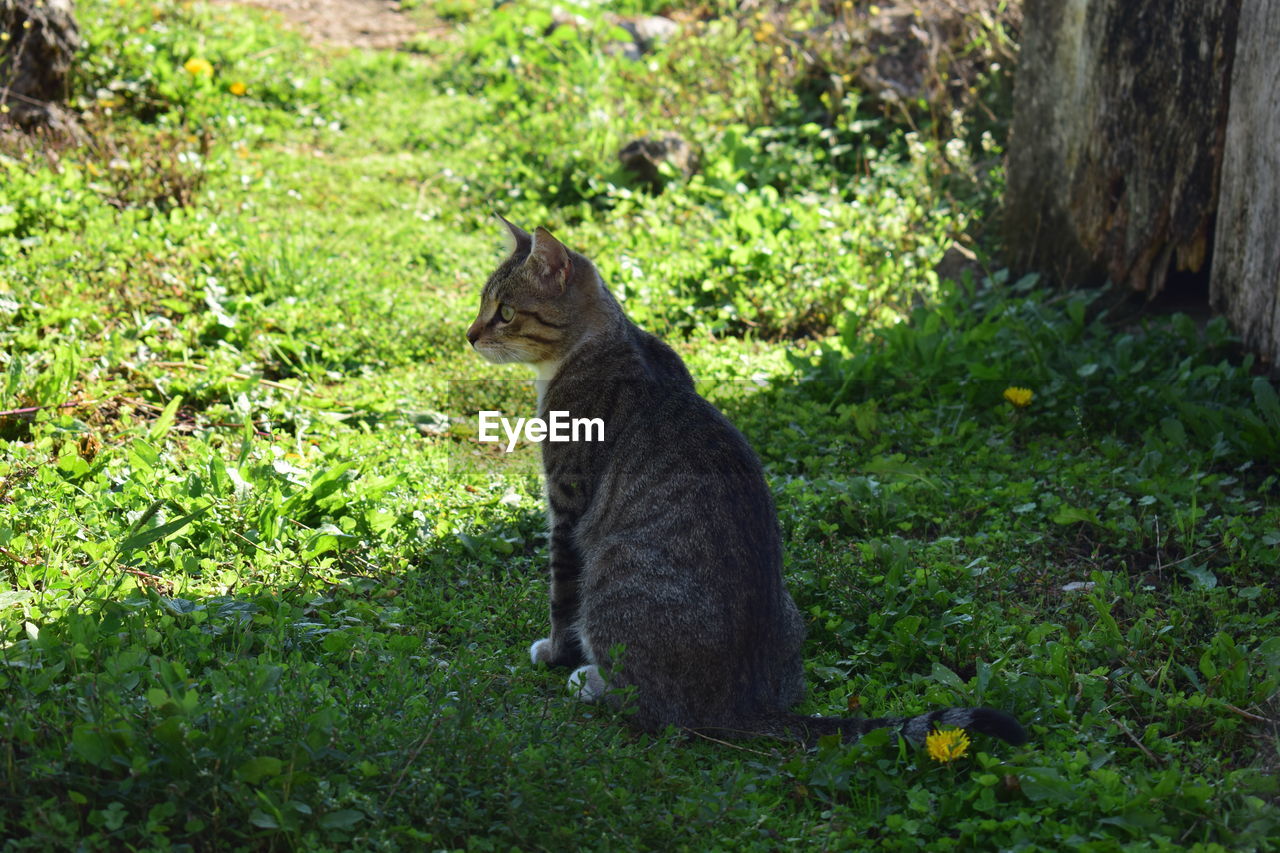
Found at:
(645, 395)
(671, 462)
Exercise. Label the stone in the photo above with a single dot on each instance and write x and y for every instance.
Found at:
(642, 158)
(955, 262)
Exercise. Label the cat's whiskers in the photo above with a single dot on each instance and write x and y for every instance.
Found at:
(502, 353)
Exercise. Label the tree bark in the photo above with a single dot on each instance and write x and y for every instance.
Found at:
(1120, 114)
(1245, 285)
(38, 40)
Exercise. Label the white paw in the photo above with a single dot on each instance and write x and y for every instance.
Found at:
(587, 684)
(540, 651)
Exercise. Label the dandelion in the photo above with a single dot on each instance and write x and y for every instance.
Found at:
(1020, 397)
(198, 67)
(947, 745)
(238, 89)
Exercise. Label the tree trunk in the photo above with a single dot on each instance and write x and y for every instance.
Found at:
(38, 40)
(1120, 112)
(1246, 256)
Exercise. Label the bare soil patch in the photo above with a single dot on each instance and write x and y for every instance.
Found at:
(346, 23)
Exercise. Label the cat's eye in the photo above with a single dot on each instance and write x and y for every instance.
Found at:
(507, 313)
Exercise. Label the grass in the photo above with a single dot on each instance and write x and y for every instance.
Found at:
(260, 591)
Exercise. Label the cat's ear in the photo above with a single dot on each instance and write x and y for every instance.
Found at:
(550, 261)
(518, 239)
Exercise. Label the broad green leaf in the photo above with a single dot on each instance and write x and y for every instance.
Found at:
(10, 597)
(1044, 783)
(91, 744)
(1173, 431)
(160, 428)
(897, 466)
(1201, 576)
(1264, 395)
(1066, 514)
(943, 675)
(341, 819)
(257, 769)
(146, 537)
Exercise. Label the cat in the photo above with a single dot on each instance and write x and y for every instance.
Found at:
(664, 538)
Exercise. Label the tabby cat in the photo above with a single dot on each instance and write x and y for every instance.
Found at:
(664, 537)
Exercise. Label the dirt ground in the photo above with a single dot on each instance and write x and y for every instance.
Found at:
(347, 23)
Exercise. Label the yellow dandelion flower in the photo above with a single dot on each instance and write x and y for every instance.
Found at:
(947, 745)
(197, 66)
(766, 29)
(238, 88)
(1020, 397)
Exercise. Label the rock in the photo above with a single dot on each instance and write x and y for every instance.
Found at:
(563, 18)
(642, 158)
(42, 39)
(627, 48)
(646, 31)
(955, 262)
(643, 32)
(650, 30)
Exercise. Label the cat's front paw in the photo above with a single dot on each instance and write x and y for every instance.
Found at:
(540, 651)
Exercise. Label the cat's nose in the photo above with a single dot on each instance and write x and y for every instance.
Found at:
(473, 334)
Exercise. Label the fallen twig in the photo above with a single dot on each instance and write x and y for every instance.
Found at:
(413, 756)
(133, 401)
(28, 411)
(20, 560)
(697, 733)
(149, 579)
(265, 550)
(270, 383)
(1139, 744)
(1250, 716)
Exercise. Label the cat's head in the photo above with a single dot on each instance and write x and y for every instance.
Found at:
(539, 302)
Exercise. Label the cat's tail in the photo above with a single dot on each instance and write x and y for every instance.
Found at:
(987, 721)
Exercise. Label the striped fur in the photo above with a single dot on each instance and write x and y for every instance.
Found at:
(664, 537)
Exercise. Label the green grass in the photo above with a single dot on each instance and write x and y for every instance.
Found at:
(257, 590)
